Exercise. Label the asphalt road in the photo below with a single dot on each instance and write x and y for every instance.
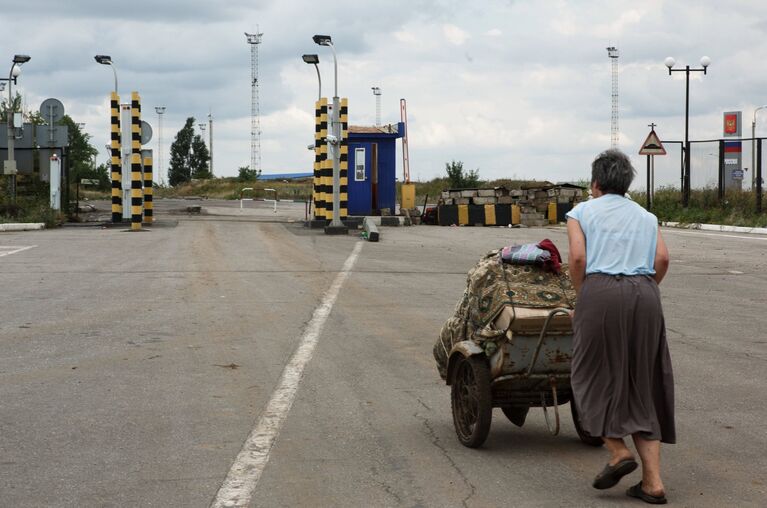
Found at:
(135, 365)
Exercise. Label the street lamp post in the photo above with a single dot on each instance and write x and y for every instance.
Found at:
(314, 60)
(107, 60)
(753, 148)
(160, 110)
(670, 62)
(335, 226)
(377, 94)
(120, 199)
(202, 127)
(10, 164)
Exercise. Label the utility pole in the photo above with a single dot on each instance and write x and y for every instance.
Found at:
(612, 54)
(255, 122)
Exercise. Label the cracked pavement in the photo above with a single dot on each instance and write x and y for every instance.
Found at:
(108, 405)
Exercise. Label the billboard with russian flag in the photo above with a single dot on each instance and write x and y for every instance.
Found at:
(733, 150)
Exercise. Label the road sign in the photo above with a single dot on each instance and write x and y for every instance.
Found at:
(737, 174)
(146, 133)
(652, 145)
(52, 110)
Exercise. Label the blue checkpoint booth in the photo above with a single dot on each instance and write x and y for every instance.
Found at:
(372, 168)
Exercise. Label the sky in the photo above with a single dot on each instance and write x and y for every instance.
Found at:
(515, 89)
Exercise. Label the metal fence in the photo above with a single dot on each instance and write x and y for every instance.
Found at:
(712, 165)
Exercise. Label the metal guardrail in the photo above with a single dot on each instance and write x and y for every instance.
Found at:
(242, 191)
(272, 200)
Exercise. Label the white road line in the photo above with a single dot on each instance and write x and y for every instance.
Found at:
(240, 482)
(719, 235)
(15, 249)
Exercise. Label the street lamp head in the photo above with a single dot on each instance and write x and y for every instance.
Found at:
(669, 62)
(323, 40)
(20, 59)
(15, 71)
(159, 109)
(376, 90)
(103, 59)
(705, 61)
(311, 59)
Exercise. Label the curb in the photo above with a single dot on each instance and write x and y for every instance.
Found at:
(716, 227)
(30, 226)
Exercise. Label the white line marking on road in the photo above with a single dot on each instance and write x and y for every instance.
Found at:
(15, 248)
(240, 482)
(719, 235)
(735, 272)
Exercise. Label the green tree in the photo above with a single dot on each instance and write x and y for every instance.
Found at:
(81, 154)
(248, 175)
(458, 178)
(199, 159)
(33, 117)
(180, 167)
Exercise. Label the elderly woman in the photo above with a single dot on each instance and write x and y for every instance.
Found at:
(621, 370)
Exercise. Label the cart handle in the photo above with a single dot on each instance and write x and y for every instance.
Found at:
(554, 312)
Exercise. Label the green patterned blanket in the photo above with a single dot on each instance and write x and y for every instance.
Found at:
(490, 286)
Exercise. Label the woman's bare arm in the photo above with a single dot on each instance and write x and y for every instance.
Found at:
(661, 259)
(576, 257)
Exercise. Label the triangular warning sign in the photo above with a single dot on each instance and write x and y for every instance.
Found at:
(652, 145)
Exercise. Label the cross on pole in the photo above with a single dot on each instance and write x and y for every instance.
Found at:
(652, 126)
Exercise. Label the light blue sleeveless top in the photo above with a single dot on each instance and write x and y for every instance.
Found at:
(621, 236)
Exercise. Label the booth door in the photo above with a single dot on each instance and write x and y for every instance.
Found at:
(374, 205)
(360, 180)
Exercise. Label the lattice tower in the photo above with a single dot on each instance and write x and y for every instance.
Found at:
(255, 121)
(612, 53)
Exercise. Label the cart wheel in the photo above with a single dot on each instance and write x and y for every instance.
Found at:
(586, 438)
(516, 415)
(471, 401)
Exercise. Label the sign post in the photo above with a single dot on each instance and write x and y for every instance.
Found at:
(651, 147)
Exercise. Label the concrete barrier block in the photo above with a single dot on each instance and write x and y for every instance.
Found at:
(371, 229)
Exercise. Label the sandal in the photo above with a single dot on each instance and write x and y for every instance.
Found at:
(611, 475)
(637, 492)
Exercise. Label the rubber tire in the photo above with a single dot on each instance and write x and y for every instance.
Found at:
(472, 375)
(585, 438)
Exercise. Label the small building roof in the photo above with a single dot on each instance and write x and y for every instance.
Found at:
(374, 129)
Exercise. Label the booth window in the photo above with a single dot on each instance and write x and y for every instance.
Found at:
(359, 165)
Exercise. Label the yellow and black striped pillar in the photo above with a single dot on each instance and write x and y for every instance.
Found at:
(116, 163)
(343, 172)
(136, 192)
(320, 154)
(326, 166)
(148, 190)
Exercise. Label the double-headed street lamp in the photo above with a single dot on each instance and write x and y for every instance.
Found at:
(753, 148)
(107, 60)
(10, 164)
(334, 139)
(670, 62)
(314, 60)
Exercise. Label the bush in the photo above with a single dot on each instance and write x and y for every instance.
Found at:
(248, 175)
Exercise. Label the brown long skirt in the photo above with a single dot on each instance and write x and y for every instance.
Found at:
(621, 370)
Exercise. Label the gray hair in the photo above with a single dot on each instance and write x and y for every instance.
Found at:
(612, 171)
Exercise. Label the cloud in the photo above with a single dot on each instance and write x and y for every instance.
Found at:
(454, 35)
(528, 95)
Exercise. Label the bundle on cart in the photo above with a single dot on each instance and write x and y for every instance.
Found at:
(509, 342)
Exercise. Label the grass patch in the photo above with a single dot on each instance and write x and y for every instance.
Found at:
(737, 209)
